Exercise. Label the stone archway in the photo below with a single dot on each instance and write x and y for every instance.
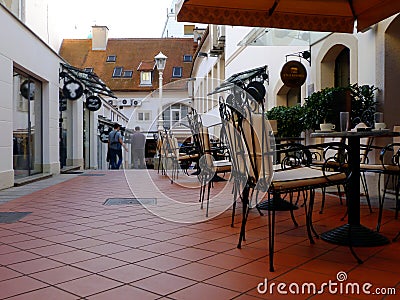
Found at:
(329, 65)
(287, 96)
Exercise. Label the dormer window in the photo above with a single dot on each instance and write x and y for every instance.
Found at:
(187, 58)
(117, 72)
(145, 78)
(111, 58)
(177, 72)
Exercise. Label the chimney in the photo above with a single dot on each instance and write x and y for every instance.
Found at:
(99, 37)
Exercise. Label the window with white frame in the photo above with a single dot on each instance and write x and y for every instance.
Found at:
(145, 78)
(117, 72)
(177, 72)
(174, 115)
(187, 58)
(127, 74)
(111, 58)
(143, 116)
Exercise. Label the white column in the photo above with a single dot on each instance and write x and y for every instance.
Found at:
(6, 117)
(160, 105)
(75, 133)
(94, 140)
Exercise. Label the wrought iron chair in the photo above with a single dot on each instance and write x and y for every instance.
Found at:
(388, 171)
(252, 162)
(168, 157)
(208, 166)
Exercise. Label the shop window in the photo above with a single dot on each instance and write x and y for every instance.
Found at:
(27, 125)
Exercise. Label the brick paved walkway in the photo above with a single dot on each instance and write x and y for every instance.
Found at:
(72, 246)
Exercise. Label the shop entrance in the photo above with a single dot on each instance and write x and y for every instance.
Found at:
(27, 125)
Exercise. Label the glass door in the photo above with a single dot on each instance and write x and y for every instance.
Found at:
(27, 126)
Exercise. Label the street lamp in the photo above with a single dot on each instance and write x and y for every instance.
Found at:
(161, 60)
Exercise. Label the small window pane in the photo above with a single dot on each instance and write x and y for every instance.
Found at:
(89, 70)
(177, 72)
(143, 116)
(127, 74)
(187, 58)
(117, 72)
(111, 58)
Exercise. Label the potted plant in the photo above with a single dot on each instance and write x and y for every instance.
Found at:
(324, 106)
(319, 107)
(363, 104)
(289, 120)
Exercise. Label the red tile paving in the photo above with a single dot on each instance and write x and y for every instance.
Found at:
(73, 247)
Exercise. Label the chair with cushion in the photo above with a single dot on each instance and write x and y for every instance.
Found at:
(252, 162)
(184, 156)
(388, 170)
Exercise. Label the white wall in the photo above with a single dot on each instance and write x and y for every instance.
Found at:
(26, 52)
(242, 58)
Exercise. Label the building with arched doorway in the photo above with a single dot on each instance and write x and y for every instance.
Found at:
(335, 60)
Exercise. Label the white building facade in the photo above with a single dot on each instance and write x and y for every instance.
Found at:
(36, 133)
(29, 84)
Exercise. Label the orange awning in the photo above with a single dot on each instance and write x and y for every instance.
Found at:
(313, 15)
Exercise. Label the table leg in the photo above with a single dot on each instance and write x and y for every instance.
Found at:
(353, 233)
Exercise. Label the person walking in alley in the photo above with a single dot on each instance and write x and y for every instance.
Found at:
(138, 146)
(115, 144)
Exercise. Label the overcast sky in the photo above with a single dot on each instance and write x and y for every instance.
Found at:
(124, 18)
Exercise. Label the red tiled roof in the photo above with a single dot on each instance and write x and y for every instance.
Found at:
(146, 66)
(131, 54)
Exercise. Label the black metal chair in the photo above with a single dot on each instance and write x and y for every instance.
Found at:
(388, 171)
(252, 161)
(208, 166)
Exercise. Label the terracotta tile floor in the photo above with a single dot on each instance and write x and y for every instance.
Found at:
(73, 247)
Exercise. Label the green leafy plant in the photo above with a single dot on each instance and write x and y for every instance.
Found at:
(318, 107)
(321, 107)
(363, 104)
(289, 120)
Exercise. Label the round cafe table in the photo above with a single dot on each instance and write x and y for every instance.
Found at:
(354, 233)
